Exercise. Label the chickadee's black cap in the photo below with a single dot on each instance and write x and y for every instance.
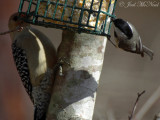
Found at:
(124, 27)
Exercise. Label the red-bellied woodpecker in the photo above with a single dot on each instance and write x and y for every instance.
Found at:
(35, 58)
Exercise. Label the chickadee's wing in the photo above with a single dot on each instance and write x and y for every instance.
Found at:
(140, 44)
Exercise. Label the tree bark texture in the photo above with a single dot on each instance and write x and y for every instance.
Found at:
(74, 94)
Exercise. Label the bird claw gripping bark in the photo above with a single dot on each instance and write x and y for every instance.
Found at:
(109, 38)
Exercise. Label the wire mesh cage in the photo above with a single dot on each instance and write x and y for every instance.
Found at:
(90, 16)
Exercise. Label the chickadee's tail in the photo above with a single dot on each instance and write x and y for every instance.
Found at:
(148, 52)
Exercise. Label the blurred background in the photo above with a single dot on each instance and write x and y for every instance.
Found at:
(123, 76)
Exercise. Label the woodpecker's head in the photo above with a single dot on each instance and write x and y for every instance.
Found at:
(16, 21)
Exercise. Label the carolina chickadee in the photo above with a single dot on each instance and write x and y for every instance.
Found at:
(128, 39)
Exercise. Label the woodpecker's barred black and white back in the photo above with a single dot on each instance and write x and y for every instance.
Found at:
(21, 62)
(34, 56)
(38, 94)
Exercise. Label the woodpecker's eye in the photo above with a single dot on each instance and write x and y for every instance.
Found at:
(15, 18)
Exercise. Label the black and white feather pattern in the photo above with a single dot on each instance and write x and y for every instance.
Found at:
(20, 60)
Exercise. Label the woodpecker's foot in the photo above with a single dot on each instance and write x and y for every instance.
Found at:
(61, 61)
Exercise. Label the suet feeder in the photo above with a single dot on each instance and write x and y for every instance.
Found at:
(88, 16)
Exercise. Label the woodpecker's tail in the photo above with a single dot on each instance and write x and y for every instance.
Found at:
(148, 52)
(37, 116)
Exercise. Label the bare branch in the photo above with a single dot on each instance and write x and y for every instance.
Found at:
(135, 105)
(148, 104)
(157, 117)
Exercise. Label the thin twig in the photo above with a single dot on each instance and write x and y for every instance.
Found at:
(157, 117)
(135, 105)
(19, 28)
(148, 104)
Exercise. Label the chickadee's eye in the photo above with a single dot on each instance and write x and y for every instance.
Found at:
(15, 18)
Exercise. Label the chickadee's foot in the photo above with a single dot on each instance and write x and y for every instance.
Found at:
(113, 18)
(109, 38)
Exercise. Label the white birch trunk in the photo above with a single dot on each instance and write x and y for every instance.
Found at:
(74, 94)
